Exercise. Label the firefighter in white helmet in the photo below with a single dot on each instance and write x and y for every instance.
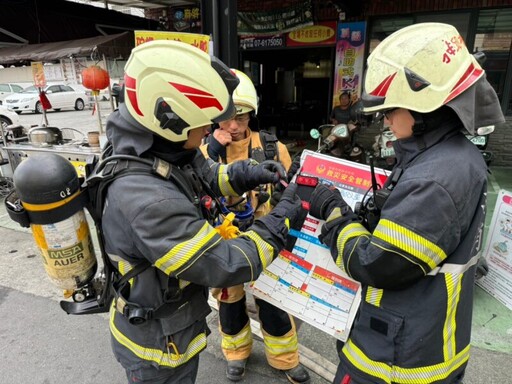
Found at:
(173, 92)
(417, 262)
(234, 140)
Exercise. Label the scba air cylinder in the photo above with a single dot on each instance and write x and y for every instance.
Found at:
(49, 190)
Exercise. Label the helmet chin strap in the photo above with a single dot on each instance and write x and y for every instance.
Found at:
(418, 129)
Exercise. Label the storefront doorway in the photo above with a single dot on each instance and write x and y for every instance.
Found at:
(294, 88)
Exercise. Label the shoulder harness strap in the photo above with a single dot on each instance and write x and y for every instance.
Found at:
(269, 144)
(117, 166)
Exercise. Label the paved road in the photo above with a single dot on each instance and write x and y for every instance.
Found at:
(85, 121)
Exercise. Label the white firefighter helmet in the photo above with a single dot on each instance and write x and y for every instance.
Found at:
(245, 97)
(173, 87)
(420, 68)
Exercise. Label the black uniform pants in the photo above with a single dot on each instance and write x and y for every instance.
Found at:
(233, 317)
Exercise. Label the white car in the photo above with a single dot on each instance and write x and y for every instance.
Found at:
(59, 95)
(7, 117)
(7, 89)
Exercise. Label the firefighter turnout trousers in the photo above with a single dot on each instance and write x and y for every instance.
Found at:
(277, 327)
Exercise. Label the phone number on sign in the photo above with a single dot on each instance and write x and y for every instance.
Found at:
(266, 43)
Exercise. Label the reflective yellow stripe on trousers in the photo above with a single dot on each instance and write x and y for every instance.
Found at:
(234, 342)
(278, 345)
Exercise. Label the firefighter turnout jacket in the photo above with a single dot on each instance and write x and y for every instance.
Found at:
(417, 267)
(150, 218)
(278, 328)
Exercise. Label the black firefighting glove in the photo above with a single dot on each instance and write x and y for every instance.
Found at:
(294, 167)
(289, 207)
(324, 200)
(278, 190)
(266, 172)
(215, 148)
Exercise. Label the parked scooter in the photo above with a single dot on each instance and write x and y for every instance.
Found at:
(339, 141)
(383, 151)
(481, 139)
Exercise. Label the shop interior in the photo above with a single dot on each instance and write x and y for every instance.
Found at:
(294, 88)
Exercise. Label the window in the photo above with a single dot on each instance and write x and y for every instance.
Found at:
(53, 89)
(459, 20)
(4, 88)
(382, 28)
(494, 38)
(16, 88)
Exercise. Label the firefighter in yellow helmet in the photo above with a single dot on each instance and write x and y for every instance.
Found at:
(233, 140)
(155, 226)
(417, 261)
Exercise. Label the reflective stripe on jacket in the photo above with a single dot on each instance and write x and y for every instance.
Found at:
(281, 351)
(150, 218)
(418, 266)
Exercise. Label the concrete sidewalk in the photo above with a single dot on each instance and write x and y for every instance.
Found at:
(41, 344)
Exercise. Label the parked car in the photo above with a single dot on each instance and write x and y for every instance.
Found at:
(59, 95)
(7, 89)
(7, 117)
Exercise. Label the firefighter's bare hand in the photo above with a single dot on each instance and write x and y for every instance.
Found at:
(222, 136)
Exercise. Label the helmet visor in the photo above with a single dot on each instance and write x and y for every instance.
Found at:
(231, 82)
(229, 112)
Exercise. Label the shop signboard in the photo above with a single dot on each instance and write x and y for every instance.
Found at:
(262, 42)
(185, 19)
(195, 39)
(275, 21)
(313, 35)
(498, 252)
(323, 34)
(349, 62)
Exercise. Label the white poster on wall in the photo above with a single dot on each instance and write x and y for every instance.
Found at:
(498, 251)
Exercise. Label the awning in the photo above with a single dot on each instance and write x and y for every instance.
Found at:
(112, 46)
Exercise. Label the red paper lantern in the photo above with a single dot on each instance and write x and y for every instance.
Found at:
(95, 78)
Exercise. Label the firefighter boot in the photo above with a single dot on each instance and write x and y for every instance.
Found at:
(297, 375)
(236, 369)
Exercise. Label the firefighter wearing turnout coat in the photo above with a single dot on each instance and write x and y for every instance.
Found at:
(417, 265)
(233, 140)
(173, 92)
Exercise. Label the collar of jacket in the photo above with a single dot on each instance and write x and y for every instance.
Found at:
(408, 149)
(128, 137)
